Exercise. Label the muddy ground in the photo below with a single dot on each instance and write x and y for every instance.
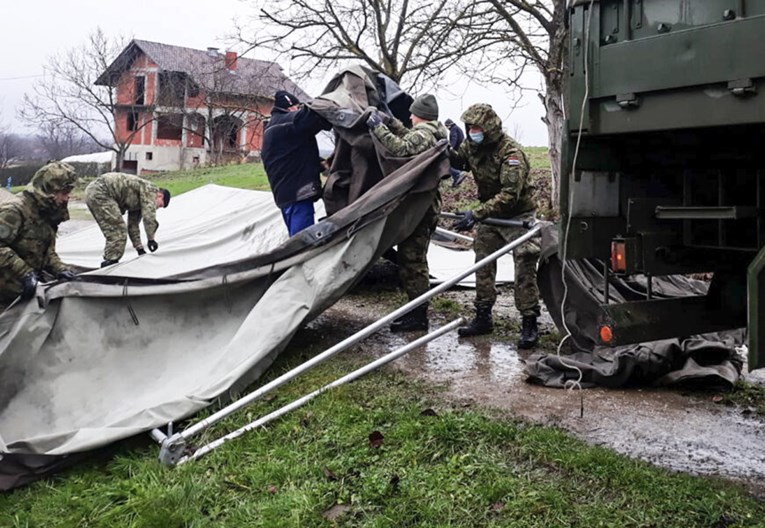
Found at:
(679, 430)
(683, 431)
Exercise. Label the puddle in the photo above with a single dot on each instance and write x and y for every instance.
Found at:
(679, 431)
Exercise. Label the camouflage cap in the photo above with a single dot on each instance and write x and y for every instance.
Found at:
(52, 178)
(484, 116)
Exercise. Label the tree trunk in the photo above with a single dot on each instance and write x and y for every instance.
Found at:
(120, 158)
(555, 120)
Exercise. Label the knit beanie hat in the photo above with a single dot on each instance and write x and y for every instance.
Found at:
(425, 107)
(284, 99)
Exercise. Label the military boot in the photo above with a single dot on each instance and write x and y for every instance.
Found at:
(481, 324)
(415, 320)
(529, 332)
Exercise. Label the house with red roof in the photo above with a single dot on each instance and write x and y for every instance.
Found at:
(179, 107)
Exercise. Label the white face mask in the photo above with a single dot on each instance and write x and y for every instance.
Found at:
(476, 137)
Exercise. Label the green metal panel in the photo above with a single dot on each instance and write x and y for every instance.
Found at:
(710, 106)
(711, 54)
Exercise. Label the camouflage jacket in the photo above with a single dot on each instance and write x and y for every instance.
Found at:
(402, 142)
(135, 196)
(28, 227)
(499, 166)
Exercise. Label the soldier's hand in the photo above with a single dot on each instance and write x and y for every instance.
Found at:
(29, 285)
(153, 246)
(66, 275)
(374, 120)
(140, 251)
(466, 223)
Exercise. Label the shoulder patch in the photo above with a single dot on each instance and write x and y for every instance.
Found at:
(513, 160)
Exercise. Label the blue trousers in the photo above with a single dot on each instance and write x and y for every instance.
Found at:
(298, 216)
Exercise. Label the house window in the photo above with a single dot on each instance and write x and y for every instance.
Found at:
(140, 90)
(149, 156)
(132, 121)
(172, 88)
(170, 126)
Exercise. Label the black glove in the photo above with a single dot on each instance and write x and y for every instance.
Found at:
(66, 275)
(374, 120)
(29, 285)
(466, 223)
(153, 246)
(140, 251)
(108, 263)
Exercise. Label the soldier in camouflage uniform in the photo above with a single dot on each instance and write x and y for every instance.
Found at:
(28, 226)
(412, 252)
(501, 172)
(112, 194)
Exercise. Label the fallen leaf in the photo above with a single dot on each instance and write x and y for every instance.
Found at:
(329, 473)
(497, 506)
(335, 511)
(272, 489)
(717, 399)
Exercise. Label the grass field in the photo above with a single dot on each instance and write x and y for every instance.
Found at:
(436, 465)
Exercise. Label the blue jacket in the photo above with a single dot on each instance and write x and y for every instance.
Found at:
(290, 155)
(456, 136)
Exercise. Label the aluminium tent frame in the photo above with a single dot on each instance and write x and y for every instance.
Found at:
(174, 446)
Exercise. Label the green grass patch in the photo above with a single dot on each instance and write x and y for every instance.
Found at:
(750, 398)
(446, 466)
(539, 157)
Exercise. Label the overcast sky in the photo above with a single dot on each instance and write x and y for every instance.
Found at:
(32, 31)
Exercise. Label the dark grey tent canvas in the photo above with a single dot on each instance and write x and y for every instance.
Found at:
(709, 360)
(153, 341)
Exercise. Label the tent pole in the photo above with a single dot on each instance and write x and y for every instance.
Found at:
(308, 397)
(173, 443)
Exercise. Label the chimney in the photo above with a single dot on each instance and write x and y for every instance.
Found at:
(231, 60)
(212, 52)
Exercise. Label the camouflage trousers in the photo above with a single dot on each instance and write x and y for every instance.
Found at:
(413, 253)
(109, 219)
(491, 238)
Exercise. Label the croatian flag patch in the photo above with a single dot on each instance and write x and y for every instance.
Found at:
(513, 161)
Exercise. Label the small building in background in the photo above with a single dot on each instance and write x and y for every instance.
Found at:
(179, 107)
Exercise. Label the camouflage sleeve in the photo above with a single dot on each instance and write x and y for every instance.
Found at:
(414, 142)
(149, 211)
(10, 262)
(397, 127)
(458, 158)
(52, 261)
(134, 229)
(512, 177)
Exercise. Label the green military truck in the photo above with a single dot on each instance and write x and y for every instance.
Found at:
(663, 166)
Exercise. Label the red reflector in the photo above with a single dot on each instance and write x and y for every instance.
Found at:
(606, 335)
(618, 256)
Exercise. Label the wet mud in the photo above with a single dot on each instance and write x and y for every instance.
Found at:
(677, 430)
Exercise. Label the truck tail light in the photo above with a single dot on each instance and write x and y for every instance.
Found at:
(606, 334)
(618, 256)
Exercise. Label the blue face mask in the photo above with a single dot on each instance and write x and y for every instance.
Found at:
(476, 137)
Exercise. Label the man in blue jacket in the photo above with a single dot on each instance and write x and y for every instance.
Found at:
(456, 137)
(291, 158)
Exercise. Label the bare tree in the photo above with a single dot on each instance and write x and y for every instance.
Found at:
(59, 140)
(68, 95)
(492, 41)
(221, 99)
(534, 34)
(413, 43)
(7, 145)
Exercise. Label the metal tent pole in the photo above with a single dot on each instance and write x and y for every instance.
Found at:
(200, 452)
(174, 443)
